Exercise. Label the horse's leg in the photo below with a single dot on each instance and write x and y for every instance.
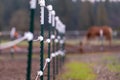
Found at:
(109, 41)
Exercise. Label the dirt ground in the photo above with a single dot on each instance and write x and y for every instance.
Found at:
(15, 68)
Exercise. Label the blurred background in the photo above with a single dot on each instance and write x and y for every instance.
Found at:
(76, 14)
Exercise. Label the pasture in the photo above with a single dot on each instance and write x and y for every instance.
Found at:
(98, 66)
(90, 65)
(51, 55)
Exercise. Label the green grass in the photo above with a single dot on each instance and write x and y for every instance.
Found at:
(78, 71)
(113, 63)
(114, 67)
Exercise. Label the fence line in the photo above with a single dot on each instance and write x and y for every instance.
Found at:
(48, 60)
(56, 33)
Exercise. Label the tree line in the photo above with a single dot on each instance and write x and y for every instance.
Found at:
(76, 15)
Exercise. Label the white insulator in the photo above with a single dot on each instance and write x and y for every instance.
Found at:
(49, 7)
(40, 38)
(56, 53)
(56, 40)
(40, 73)
(58, 37)
(61, 41)
(62, 53)
(41, 2)
(48, 60)
(56, 18)
(48, 40)
(53, 12)
(59, 51)
(28, 36)
(53, 55)
(52, 36)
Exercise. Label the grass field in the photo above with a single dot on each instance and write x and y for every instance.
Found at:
(78, 71)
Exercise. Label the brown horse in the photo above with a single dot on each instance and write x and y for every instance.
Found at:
(101, 31)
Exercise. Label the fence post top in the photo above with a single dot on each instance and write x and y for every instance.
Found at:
(33, 4)
(41, 2)
(49, 7)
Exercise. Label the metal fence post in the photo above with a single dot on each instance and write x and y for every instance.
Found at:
(42, 5)
(32, 9)
(49, 7)
(53, 41)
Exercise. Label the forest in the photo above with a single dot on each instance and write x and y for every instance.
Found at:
(75, 14)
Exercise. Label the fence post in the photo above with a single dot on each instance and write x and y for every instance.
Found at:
(32, 9)
(53, 41)
(49, 7)
(60, 31)
(42, 5)
(63, 59)
(62, 47)
(63, 42)
(57, 48)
